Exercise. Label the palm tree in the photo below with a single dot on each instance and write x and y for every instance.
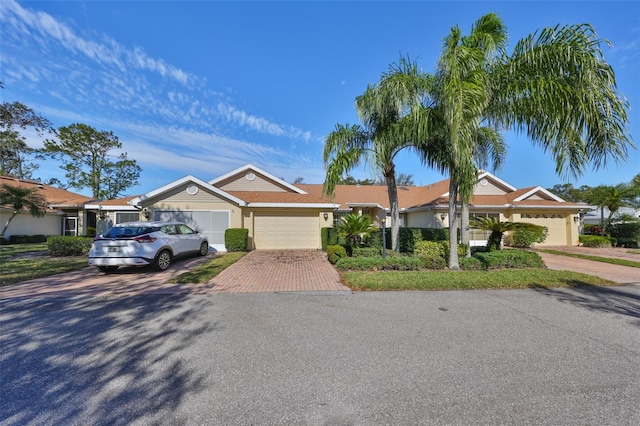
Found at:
(498, 229)
(555, 87)
(355, 227)
(18, 199)
(612, 197)
(384, 133)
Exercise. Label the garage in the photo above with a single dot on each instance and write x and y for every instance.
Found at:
(212, 223)
(286, 230)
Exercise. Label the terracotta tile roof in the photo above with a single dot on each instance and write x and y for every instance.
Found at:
(117, 202)
(53, 196)
(277, 197)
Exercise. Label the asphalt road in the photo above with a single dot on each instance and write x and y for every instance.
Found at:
(545, 356)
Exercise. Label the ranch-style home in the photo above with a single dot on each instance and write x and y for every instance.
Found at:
(281, 215)
(65, 213)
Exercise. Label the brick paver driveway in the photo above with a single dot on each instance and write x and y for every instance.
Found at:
(279, 270)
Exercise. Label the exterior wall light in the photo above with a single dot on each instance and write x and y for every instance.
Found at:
(326, 216)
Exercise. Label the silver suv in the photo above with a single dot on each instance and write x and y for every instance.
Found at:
(145, 243)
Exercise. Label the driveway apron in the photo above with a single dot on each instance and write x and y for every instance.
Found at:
(279, 271)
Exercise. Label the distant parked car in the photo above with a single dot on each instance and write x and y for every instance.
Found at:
(145, 243)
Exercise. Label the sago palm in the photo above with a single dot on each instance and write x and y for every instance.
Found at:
(498, 229)
(355, 227)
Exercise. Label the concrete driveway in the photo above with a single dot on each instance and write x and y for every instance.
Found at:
(258, 271)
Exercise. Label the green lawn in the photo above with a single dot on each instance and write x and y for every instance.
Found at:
(447, 280)
(15, 268)
(621, 262)
(206, 271)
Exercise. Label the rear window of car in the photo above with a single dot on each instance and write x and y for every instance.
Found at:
(129, 231)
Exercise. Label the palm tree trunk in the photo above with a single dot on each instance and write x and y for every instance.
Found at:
(453, 226)
(392, 190)
(6, 225)
(464, 226)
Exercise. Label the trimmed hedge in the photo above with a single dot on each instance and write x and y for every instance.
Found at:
(335, 253)
(365, 252)
(470, 264)
(429, 249)
(596, 241)
(433, 262)
(330, 237)
(524, 238)
(235, 239)
(627, 234)
(400, 263)
(68, 246)
(505, 259)
(408, 237)
(26, 239)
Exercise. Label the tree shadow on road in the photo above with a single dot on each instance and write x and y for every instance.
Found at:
(98, 361)
(604, 299)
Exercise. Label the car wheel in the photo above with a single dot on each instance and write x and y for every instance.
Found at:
(163, 260)
(107, 269)
(204, 248)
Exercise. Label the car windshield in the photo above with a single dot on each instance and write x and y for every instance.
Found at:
(129, 231)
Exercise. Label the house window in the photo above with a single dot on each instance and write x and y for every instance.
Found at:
(479, 234)
(366, 212)
(122, 217)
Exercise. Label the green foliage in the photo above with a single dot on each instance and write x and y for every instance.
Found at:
(433, 262)
(462, 250)
(91, 231)
(335, 253)
(498, 228)
(434, 234)
(400, 263)
(68, 246)
(504, 259)
(355, 228)
(408, 239)
(85, 154)
(235, 239)
(627, 234)
(206, 271)
(471, 264)
(429, 249)
(595, 241)
(19, 199)
(27, 239)
(523, 238)
(365, 252)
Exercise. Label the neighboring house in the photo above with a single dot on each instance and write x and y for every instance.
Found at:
(594, 216)
(65, 214)
(281, 215)
(427, 206)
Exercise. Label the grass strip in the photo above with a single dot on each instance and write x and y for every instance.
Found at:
(204, 272)
(613, 261)
(633, 251)
(462, 280)
(12, 250)
(23, 269)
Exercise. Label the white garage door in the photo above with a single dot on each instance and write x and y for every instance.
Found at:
(213, 224)
(286, 230)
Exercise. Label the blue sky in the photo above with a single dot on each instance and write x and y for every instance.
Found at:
(204, 87)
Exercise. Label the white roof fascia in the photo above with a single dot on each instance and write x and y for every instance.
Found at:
(366, 205)
(259, 170)
(296, 205)
(539, 189)
(495, 178)
(110, 207)
(183, 180)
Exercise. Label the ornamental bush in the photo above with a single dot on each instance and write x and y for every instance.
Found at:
(378, 263)
(68, 246)
(336, 252)
(506, 259)
(429, 249)
(462, 250)
(235, 239)
(523, 238)
(365, 252)
(627, 234)
(597, 241)
(433, 262)
(471, 264)
(27, 239)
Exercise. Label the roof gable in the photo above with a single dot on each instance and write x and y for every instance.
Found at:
(538, 193)
(54, 197)
(253, 179)
(170, 188)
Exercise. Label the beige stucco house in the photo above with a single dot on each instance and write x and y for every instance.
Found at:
(281, 215)
(65, 213)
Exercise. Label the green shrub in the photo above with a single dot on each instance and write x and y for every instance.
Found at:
(396, 263)
(408, 237)
(68, 246)
(91, 231)
(627, 234)
(434, 234)
(27, 239)
(504, 259)
(365, 252)
(429, 249)
(462, 250)
(335, 253)
(470, 264)
(235, 239)
(595, 241)
(433, 262)
(523, 238)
